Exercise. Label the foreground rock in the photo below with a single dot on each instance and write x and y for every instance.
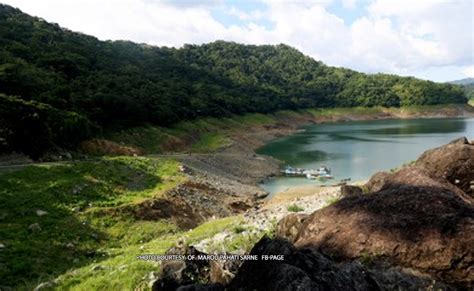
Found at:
(303, 269)
(414, 230)
(177, 273)
(307, 269)
(419, 217)
(288, 227)
(453, 162)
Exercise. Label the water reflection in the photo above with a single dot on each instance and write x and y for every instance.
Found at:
(356, 150)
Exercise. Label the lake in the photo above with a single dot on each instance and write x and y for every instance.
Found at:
(359, 149)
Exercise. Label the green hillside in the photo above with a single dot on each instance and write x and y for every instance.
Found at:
(120, 83)
(468, 86)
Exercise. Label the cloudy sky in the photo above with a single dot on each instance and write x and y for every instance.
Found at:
(430, 39)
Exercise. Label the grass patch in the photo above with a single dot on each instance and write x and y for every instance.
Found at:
(328, 112)
(147, 138)
(71, 234)
(123, 271)
(332, 200)
(294, 208)
(210, 142)
(205, 134)
(241, 239)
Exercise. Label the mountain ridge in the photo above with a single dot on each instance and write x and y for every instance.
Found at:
(127, 84)
(465, 81)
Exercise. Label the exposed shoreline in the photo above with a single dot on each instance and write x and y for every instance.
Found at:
(246, 143)
(218, 193)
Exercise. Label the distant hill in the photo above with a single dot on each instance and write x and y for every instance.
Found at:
(468, 86)
(466, 81)
(62, 82)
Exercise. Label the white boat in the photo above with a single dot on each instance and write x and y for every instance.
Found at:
(290, 171)
(310, 176)
(321, 173)
(324, 173)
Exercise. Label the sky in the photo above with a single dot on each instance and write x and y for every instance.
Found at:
(429, 39)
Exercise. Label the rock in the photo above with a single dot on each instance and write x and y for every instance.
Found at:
(151, 276)
(182, 272)
(40, 212)
(289, 226)
(152, 279)
(451, 162)
(307, 269)
(189, 204)
(222, 272)
(415, 217)
(349, 190)
(35, 227)
(185, 169)
(44, 285)
(377, 181)
(261, 195)
(201, 287)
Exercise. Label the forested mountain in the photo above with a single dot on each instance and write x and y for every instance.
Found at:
(468, 86)
(48, 73)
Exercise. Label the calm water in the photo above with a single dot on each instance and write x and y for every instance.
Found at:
(357, 150)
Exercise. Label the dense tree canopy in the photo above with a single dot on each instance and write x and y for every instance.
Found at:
(123, 82)
(468, 86)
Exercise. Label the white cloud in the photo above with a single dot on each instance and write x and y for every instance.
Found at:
(441, 31)
(246, 16)
(469, 71)
(154, 22)
(392, 36)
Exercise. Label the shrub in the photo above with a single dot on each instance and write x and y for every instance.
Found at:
(34, 128)
(294, 208)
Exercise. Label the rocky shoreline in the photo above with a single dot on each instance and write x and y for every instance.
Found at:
(238, 170)
(411, 230)
(225, 182)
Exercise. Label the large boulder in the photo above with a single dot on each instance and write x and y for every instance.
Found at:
(418, 217)
(377, 181)
(176, 273)
(453, 162)
(427, 229)
(197, 274)
(307, 269)
(350, 190)
(288, 227)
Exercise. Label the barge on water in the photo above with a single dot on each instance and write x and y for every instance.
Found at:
(321, 174)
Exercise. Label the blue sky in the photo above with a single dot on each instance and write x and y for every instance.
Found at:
(429, 39)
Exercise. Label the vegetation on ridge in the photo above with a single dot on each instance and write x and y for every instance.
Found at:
(112, 83)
